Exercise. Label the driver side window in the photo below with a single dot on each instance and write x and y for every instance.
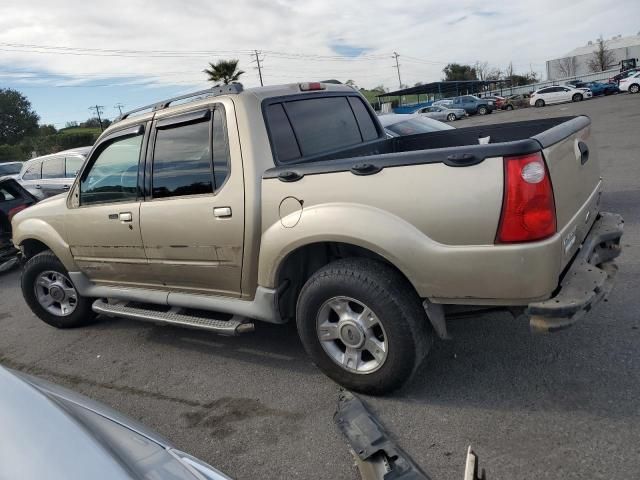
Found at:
(113, 177)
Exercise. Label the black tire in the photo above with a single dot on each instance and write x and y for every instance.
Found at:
(509, 107)
(539, 103)
(635, 88)
(47, 261)
(451, 117)
(482, 110)
(577, 97)
(396, 306)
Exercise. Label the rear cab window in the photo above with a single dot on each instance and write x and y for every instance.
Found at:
(301, 128)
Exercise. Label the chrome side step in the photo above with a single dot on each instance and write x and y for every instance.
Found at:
(172, 316)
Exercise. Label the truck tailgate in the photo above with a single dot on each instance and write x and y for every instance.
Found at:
(571, 156)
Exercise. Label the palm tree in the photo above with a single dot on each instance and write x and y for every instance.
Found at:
(225, 70)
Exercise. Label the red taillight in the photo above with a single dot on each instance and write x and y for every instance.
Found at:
(309, 86)
(528, 207)
(15, 210)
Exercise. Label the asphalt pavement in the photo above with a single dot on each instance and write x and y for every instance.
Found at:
(563, 406)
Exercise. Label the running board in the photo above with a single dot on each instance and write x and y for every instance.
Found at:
(172, 316)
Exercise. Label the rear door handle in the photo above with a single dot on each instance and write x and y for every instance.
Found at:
(125, 217)
(37, 186)
(65, 187)
(222, 212)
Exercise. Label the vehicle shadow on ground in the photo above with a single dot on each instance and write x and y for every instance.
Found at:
(277, 346)
(494, 362)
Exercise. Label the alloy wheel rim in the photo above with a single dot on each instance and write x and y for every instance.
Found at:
(55, 293)
(352, 335)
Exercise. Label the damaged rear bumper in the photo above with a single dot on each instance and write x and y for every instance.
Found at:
(8, 254)
(587, 281)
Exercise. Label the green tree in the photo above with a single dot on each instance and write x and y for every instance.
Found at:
(456, 71)
(225, 71)
(17, 119)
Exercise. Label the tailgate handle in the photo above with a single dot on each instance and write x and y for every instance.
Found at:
(584, 152)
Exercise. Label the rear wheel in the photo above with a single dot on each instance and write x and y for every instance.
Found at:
(451, 117)
(539, 103)
(363, 325)
(482, 110)
(48, 291)
(509, 107)
(577, 97)
(635, 88)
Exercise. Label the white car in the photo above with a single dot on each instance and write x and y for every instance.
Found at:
(399, 125)
(630, 84)
(557, 94)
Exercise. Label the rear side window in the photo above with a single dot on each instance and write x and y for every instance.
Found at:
(53, 168)
(367, 127)
(303, 128)
(33, 172)
(182, 161)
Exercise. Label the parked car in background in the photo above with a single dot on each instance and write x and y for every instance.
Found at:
(630, 84)
(498, 101)
(599, 88)
(520, 100)
(439, 112)
(13, 199)
(54, 433)
(399, 125)
(10, 169)
(472, 104)
(622, 75)
(445, 102)
(52, 174)
(557, 94)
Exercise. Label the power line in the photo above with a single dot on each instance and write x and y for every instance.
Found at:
(257, 61)
(397, 66)
(98, 109)
(119, 107)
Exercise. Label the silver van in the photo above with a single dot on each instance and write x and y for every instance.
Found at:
(52, 174)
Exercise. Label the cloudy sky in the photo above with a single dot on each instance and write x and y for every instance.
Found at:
(68, 55)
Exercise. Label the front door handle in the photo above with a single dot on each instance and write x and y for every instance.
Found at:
(222, 212)
(37, 186)
(125, 217)
(65, 187)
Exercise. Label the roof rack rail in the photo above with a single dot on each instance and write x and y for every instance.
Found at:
(210, 92)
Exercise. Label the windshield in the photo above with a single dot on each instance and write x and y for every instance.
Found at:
(10, 168)
(417, 125)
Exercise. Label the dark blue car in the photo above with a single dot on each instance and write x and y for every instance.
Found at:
(598, 88)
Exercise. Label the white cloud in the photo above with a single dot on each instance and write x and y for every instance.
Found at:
(527, 33)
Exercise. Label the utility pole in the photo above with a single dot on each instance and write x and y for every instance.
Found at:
(119, 107)
(259, 67)
(98, 109)
(397, 67)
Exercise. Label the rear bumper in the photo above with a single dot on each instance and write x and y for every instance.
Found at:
(587, 280)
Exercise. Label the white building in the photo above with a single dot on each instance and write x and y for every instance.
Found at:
(576, 62)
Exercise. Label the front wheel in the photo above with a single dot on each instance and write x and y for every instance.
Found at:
(363, 325)
(48, 291)
(635, 88)
(539, 103)
(509, 107)
(451, 117)
(577, 97)
(483, 110)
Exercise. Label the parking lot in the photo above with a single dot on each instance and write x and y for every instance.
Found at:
(559, 406)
